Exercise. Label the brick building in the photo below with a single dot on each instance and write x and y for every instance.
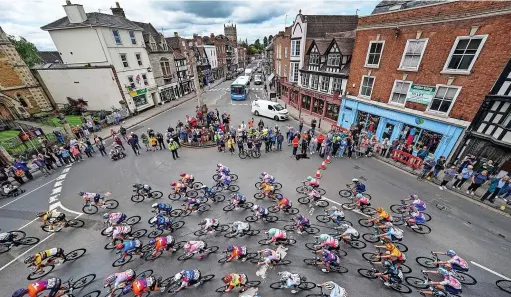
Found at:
(420, 74)
(182, 58)
(281, 43)
(20, 93)
(222, 44)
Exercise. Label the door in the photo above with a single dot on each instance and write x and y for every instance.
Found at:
(270, 111)
(387, 130)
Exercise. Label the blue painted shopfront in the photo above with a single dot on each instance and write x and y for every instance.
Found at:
(391, 124)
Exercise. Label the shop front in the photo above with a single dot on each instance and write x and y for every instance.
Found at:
(414, 130)
(141, 99)
(169, 92)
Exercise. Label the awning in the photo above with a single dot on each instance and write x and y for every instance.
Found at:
(270, 78)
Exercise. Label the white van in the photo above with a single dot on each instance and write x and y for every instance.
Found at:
(269, 109)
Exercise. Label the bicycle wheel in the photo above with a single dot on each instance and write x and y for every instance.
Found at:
(184, 257)
(174, 196)
(465, 278)
(229, 207)
(304, 200)
(233, 188)
(218, 198)
(151, 256)
(216, 177)
(504, 285)
(292, 211)
(313, 246)
(242, 155)
(110, 246)
(305, 286)
(321, 191)
(222, 289)
(416, 282)
(396, 208)
(46, 228)
(203, 207)
(284, 262)
(233, 177)
(301, 189)
(277, 186)
(322, 203)
(145, 273)
(90, 209)
(405, 268)
(76, 223)
(17, 235)
(177, 225)
(426, 262)
(367, 273)
(258, 195)
(28, 241)
(339, 269)
(45, 270)
(401, 288)
(84, 281)
(348, 205)
(312, 262)
(137, 198)
(370, 237)
(365, 223)
(139, 233)
(251, 219)
(192, 194)
(371, 257)
(403, 248)
(271, 219)
(422, 229)
(111, 204)
(93, 294)
(368, 210)
(345, 193)
(323, 218)
(263, 242)
(256, 154)
(118, 263)
(311, 230)
(132, 220)
(200, 232)
(273, 209)
(156, 194)
(257, 185)
(197, 185)
(73, 255)
(155, 233)
(357, 244)
(427, 217)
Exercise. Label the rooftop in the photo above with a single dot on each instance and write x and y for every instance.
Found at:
(94, 19)
(389, 5)
(319, 25)
(50, 57)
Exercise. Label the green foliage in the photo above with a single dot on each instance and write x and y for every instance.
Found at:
(270, 38)
(26, 50)
(265, 41)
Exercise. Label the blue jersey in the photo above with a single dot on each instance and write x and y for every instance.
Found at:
(165, 206)
(304, 221)
(129, 245)
(360, 187)
(164, 221)
(189, 275)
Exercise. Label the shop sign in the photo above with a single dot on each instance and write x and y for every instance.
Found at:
(138, 92)
(420, 94)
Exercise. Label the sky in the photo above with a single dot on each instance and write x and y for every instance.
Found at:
(254, 19)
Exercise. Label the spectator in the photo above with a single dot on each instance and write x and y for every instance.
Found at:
(428, 165)
(230, 144)
(173, 146)
(422, 153)
(118, 141)
(313, 125)
(321, 139)
(488, 166)
(364, 144)
(497, 185)
(468, 160)
(296, 141)
(300, 126)
(133, 142)
(76, 153)
(449, 175)
(100, 144)
(22, 165)
(280, 140)
(159, 137)
(304, 146)
(384, 147)
(439, 166)
(40, 165)
(478, 180)
(65, 155)
(153, 142)
(145, 140)
(465, 174)
(87, 151)
(314, 145)
(16, 174)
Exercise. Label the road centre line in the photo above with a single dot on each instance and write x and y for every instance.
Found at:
(27, 193)
(28, 224)
(490, 271)
(33, 247)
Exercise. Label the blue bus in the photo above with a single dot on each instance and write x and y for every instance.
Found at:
(240, 88)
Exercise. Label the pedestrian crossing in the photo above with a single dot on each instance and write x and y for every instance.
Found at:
(227, 89)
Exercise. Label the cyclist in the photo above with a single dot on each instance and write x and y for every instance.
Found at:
(238, 200)
(193, 247)
(357, 187)
(147, 284)
(187, 278)
(260, 211)
(119, 232)
(456, 262)
(393, 254)
(241, 228)
(179, 188)
(313, 194)
(382, 218)
(208, 193)
(225, 179)
(119, 278)
(419, 204)
(268, 179)
(276, 235)
(52, 217)
(143, 189)
(329, 242)
(235, 280)
(416, 217)
(159, 208)
(236, 252)
(301, 223)
(349, 233)
(284, 203)
(96, 197)
(162, 222)
(449, 284)
(335, 289)
(128, 246)
(270, 256)
(53, 284)
(187, 179)
(393, 233)
(267, 189)
(50, 255)
(329, 259)
(312, 182)
(192, 204)
(163, 243)
(337, 215)
(222, 169)
(209, 225)
(290, 280)
(392, 274)
(114, 218)
(362, 200)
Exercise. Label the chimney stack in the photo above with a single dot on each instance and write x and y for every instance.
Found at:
(117, 10)
(75, 13)
(212, 35)
(176, 34)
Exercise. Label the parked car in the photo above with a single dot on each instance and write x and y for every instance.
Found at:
(258, 80)
(269, 109)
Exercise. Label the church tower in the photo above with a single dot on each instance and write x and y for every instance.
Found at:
(230, 32)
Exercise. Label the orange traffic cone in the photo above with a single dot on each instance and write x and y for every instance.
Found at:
(318, 174)
(323, 165)
(328, 161)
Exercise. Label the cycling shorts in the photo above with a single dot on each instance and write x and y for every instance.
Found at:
(458, 267)
(452, 290)
(419, 220)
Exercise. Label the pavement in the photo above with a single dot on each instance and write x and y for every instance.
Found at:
(479, 235)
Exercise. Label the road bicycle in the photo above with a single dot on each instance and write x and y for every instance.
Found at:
(151, 253)
(419, 228)
(504, 285)
(217, 176)
(366, 209)
(403, 208)
(327, 218)
(373, 238)
(307, 200)
(59, 225)
(461, 276)
(90, 207)
(316, 246)
(307, 229)
(286, 241)
(248, 284)
(141, 194)
(158, 230)
(119, 290)
(303, 286)
(264, 218)
(188, 193)
(272, 195)
(250, 154)
(275, 185)
(348, 193)
(46, 268)
(376, 257)
(244, 205)
(15, 238)
(396, 286)
(220, 186)
(247, 256)
(260, 258)
(128, 236)
(233, 233)
(173, 285)
(107, 231)
(424, 284)
(67, 287)
(287, 210)
(303, 189)
(217, 229)
(206, 252)
(316, 261)
(203, 207)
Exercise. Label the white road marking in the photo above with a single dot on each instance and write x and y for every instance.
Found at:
(66, 170)
(53, 199)
(28, 224)
(58, 183)
(355, 210)
(62, 176)
(56, 190)
(33, 247)
(490, 271)
(69, 165)
(59, 204)
(26, 194)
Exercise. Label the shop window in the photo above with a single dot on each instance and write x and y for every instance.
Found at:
(366, 87)
(464, 53)
(332, 111)
(336, 84)
(419, 138)
(318, 105)
(306, 102)
(367, 122)
(305, 80)
(374, 53)
(314, 81)
(413, 54)
(140, 100)
(444, 98)
(399, 91)
(325, 83)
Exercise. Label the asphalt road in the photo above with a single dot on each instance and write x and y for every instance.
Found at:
(477, 234)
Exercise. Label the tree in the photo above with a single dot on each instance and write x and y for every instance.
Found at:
(270, 38)
(26, 50)
(257, 44)
(265, 41)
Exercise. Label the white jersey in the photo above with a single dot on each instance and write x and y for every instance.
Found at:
(4, 236)
(241, 225)
(121, 230)
(396, 232)
(350, 231)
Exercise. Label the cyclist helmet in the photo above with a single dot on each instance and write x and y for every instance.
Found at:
(255, 207)
(182, 174)
(150, 281)
(451, 253)
(309, 178)
(131, 273)
(334, 208)
(153, 220)
(152, 241)
(272, 231)
(155, 205)
(309, 188)
(299, 217)
(413, 196)
(29, 259)
(106, 215)
(389, 246)
(264, 173)
(324, 237)
(388, 224)
(328, 285)
(344, 226)
(379, 210)
(359, 196)
(227, 279)
(387, 264)
(20, 293)
(187, 246)
(203, 222)
(81, 193)
(230, 248)
(219, 165)
(119, 246)
(267, 252)
(110, 279)
(355, 180)
(443, 271)
(173, 184)
(178, 276)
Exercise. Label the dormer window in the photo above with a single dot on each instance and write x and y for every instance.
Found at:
(314, 59)
(153, 45)
(334, 59)
(164, 46)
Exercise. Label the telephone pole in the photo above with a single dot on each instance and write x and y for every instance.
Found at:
(198, 90)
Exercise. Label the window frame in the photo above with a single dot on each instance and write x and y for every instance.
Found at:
(131, 82)
(361, 84)
(401, 67)
(428, 109)
(323, 78)
(305, 78)
(294, 71)
(285, 70)
(127, 65)
(285, 52)
(118, 37)
(453, 48)
(368, 52)
(331, 58)
(165, 67)
(317, 58)
(312, 82)
(394, 88)
(333, 84)
(294, 43)
(133, 38)
(145, 79)
(139, 61)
